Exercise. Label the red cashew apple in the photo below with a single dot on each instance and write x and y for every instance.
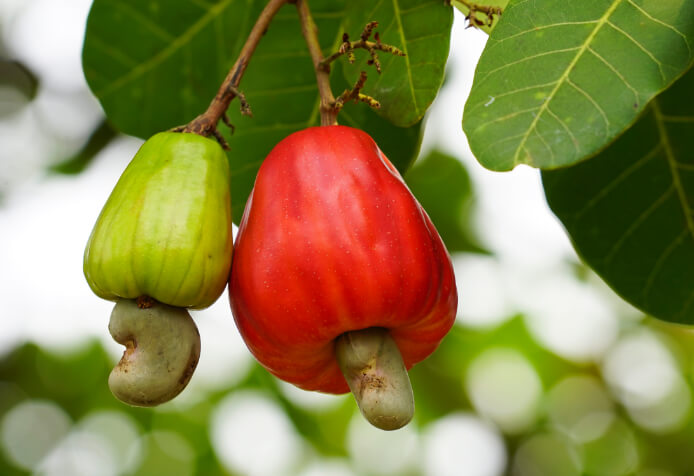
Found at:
(334, 256)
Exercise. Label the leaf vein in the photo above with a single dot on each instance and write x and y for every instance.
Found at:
(661, 261)
(592, 101)
(165, 53)
(616, 72)
(672, 164)
(565, 75)
(524, 59)
(503, 118)
(509, 93)
(574, 141)
(662, 23)
(641, 47)
(398, 19)
(144, 21)
(637, 223)
(623, 175)
(543, 27)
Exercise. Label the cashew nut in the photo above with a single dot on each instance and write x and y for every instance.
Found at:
(375, 372)
(162, 350)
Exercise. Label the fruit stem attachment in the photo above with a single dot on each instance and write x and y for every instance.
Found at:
(206, 123)
(328, 113)
(375, 372)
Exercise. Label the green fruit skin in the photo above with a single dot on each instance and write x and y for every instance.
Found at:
(165, 231)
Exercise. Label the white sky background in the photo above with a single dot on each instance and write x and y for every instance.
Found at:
(45, 222)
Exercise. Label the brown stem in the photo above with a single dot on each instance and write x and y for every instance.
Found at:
(206, 123)
(328, 113)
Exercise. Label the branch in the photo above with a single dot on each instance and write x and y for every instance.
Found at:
(206, 123)
(328, 113)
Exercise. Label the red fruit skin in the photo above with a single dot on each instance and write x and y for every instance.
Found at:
(331, 241)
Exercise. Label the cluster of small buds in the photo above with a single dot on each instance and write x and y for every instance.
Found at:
(347, 47)
(489, 13)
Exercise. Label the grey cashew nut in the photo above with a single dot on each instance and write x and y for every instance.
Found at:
(375, 372)
(162, 350)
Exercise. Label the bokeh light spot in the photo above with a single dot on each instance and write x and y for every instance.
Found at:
(378, 452)
(580, 407)
(463, 444)
(505, 387)
(252, 435)
(327, 467)
(31, 429)
(570, 318)
(640, 370)
(166, 452)
(613, 454)
(545, 455)
(122, 434)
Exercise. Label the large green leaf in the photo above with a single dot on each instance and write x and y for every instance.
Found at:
(421, 29)
(154, 66)
(442, 185)
(559, 80)
(630, 210)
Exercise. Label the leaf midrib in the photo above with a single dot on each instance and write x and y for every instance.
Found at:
(672, 164)
(401, 31)
(564, 77)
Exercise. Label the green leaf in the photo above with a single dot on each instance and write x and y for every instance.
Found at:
(558, 81)
(167, 68)
(421, 29)
(442, 186)
(630, 210)
(481, 19)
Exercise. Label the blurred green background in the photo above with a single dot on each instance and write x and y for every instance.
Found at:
(546, 373)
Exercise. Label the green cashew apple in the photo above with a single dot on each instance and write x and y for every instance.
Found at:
(162, 243)
(165, 231)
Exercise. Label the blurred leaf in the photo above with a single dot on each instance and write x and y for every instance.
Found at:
(421, 29)
(481, 16)
(72, 380)
(18, 85)
(630, 210)
(442, 186)
(327, 430)
(558, 81)
(98, 140)
(168, 66)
